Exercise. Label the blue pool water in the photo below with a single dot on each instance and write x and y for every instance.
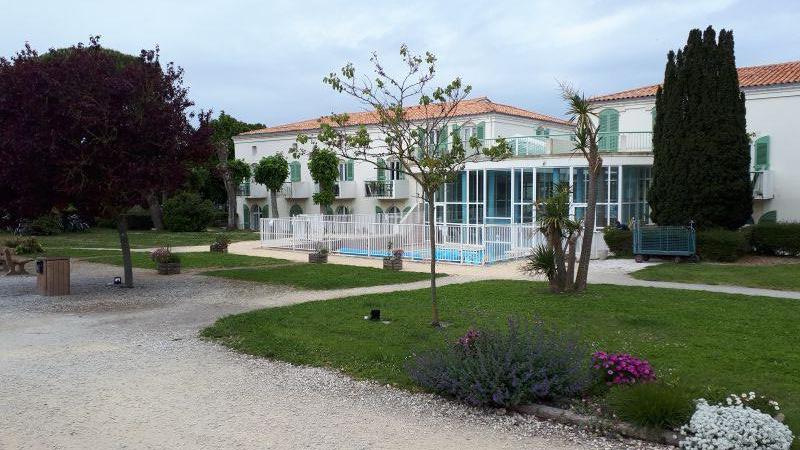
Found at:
(442, 254)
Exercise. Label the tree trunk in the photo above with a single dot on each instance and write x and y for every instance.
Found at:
(432, 230)
(274, 200)
(125, 246)
(154, 205)
(227, 181)
(554, 236)
(570, 277)
(595, 167)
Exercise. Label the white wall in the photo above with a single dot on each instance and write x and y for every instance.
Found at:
(771, 111)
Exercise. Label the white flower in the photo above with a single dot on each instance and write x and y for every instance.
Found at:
(734, 427)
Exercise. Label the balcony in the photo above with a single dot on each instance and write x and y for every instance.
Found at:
(555, 144)
(243, 190)
(391, 189)
(346, 189)
(763, 185)
(296, 189)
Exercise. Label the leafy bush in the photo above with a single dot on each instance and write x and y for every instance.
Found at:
(620, 242)
(721, 245)
(187, 211)
(732, 427)
(522, 364)
(542, 261)
(24, 246)
(655, 405)
(44, 225)
(622, 368)
(780, 239)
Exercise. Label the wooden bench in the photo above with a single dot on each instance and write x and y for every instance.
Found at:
(15, 265)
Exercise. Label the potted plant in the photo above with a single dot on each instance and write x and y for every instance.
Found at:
(320, 256)
(395, 259)
(220, 244)
(167, 263)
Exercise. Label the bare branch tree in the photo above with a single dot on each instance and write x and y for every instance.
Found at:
(413, 120)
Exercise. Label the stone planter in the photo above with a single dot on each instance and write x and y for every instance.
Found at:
(318, 258)
(168, 268)
(219, 248)
(392, 263)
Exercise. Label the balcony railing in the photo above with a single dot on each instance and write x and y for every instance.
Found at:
(342, 189)
(554, 144)
(386, 189)
(296, 189)
(243, 190)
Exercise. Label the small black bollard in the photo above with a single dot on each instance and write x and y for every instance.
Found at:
(375, 314)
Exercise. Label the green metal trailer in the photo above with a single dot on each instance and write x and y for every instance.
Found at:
(679, 242)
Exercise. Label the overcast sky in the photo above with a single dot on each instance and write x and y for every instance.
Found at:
(263, 61)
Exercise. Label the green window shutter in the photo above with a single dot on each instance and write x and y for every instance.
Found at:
(456, 131)
(480, 131)
(329, 210)
(608, 127)
(378, 210)
(349, 170)
(441, 145)
(295, 210)
(294, 171)
(653, 116)
(761, 159)
(406, 210)
(245, 217)
(381, 169)
(420, 143)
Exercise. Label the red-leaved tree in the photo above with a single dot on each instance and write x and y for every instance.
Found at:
(89, 127)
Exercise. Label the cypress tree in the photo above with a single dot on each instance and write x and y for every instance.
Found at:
(701, 153)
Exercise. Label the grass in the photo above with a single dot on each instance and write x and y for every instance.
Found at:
(321, 276)
(193, 260)
(705, 340)
(777, 276)
(108, 238)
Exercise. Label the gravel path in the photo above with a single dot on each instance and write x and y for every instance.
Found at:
(113, 368)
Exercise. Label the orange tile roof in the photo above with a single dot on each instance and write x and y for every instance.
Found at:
(480, 105)
(770, 74)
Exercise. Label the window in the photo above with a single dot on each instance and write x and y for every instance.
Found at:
(396, 170)
(542, 131)
(769, 217)
(346, 169)
(653, 117)
(253, 150)
(294, 171)
(295, 210)
(608, 130)
(343, 210)
(245, 217)
(761, 154)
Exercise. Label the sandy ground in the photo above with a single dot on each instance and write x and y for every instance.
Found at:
(115, 368)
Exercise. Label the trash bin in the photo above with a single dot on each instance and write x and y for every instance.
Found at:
(52, 275)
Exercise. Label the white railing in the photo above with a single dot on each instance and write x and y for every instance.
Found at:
(624, 141)
(455, 243)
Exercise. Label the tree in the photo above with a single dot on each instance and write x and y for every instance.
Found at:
(413, 118)
(324, 167)
(272, 172)
(701, 154)
(81, 129)
(225, 128)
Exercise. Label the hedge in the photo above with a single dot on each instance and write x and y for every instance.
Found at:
(721, 245)
(619, 242)
(187, 211)
(777, 239)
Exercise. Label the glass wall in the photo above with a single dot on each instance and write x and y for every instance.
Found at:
(511, 194)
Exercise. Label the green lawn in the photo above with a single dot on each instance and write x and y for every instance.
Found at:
(722, 341)
(778, 276)
(321, 276)
(108, 238)
(194, 260)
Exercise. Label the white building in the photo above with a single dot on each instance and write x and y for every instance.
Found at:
(772, 99)
(364, 188)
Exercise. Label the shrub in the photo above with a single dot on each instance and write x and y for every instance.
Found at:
(732, 427)
(74, 223)
(44, 225)
(187, 211)
(541, 261)
(620, 242)
(522, 364)
(780, 239)
(721, 245)
(28, 246)
(622, 368)
(222, 239)
(655, 405)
